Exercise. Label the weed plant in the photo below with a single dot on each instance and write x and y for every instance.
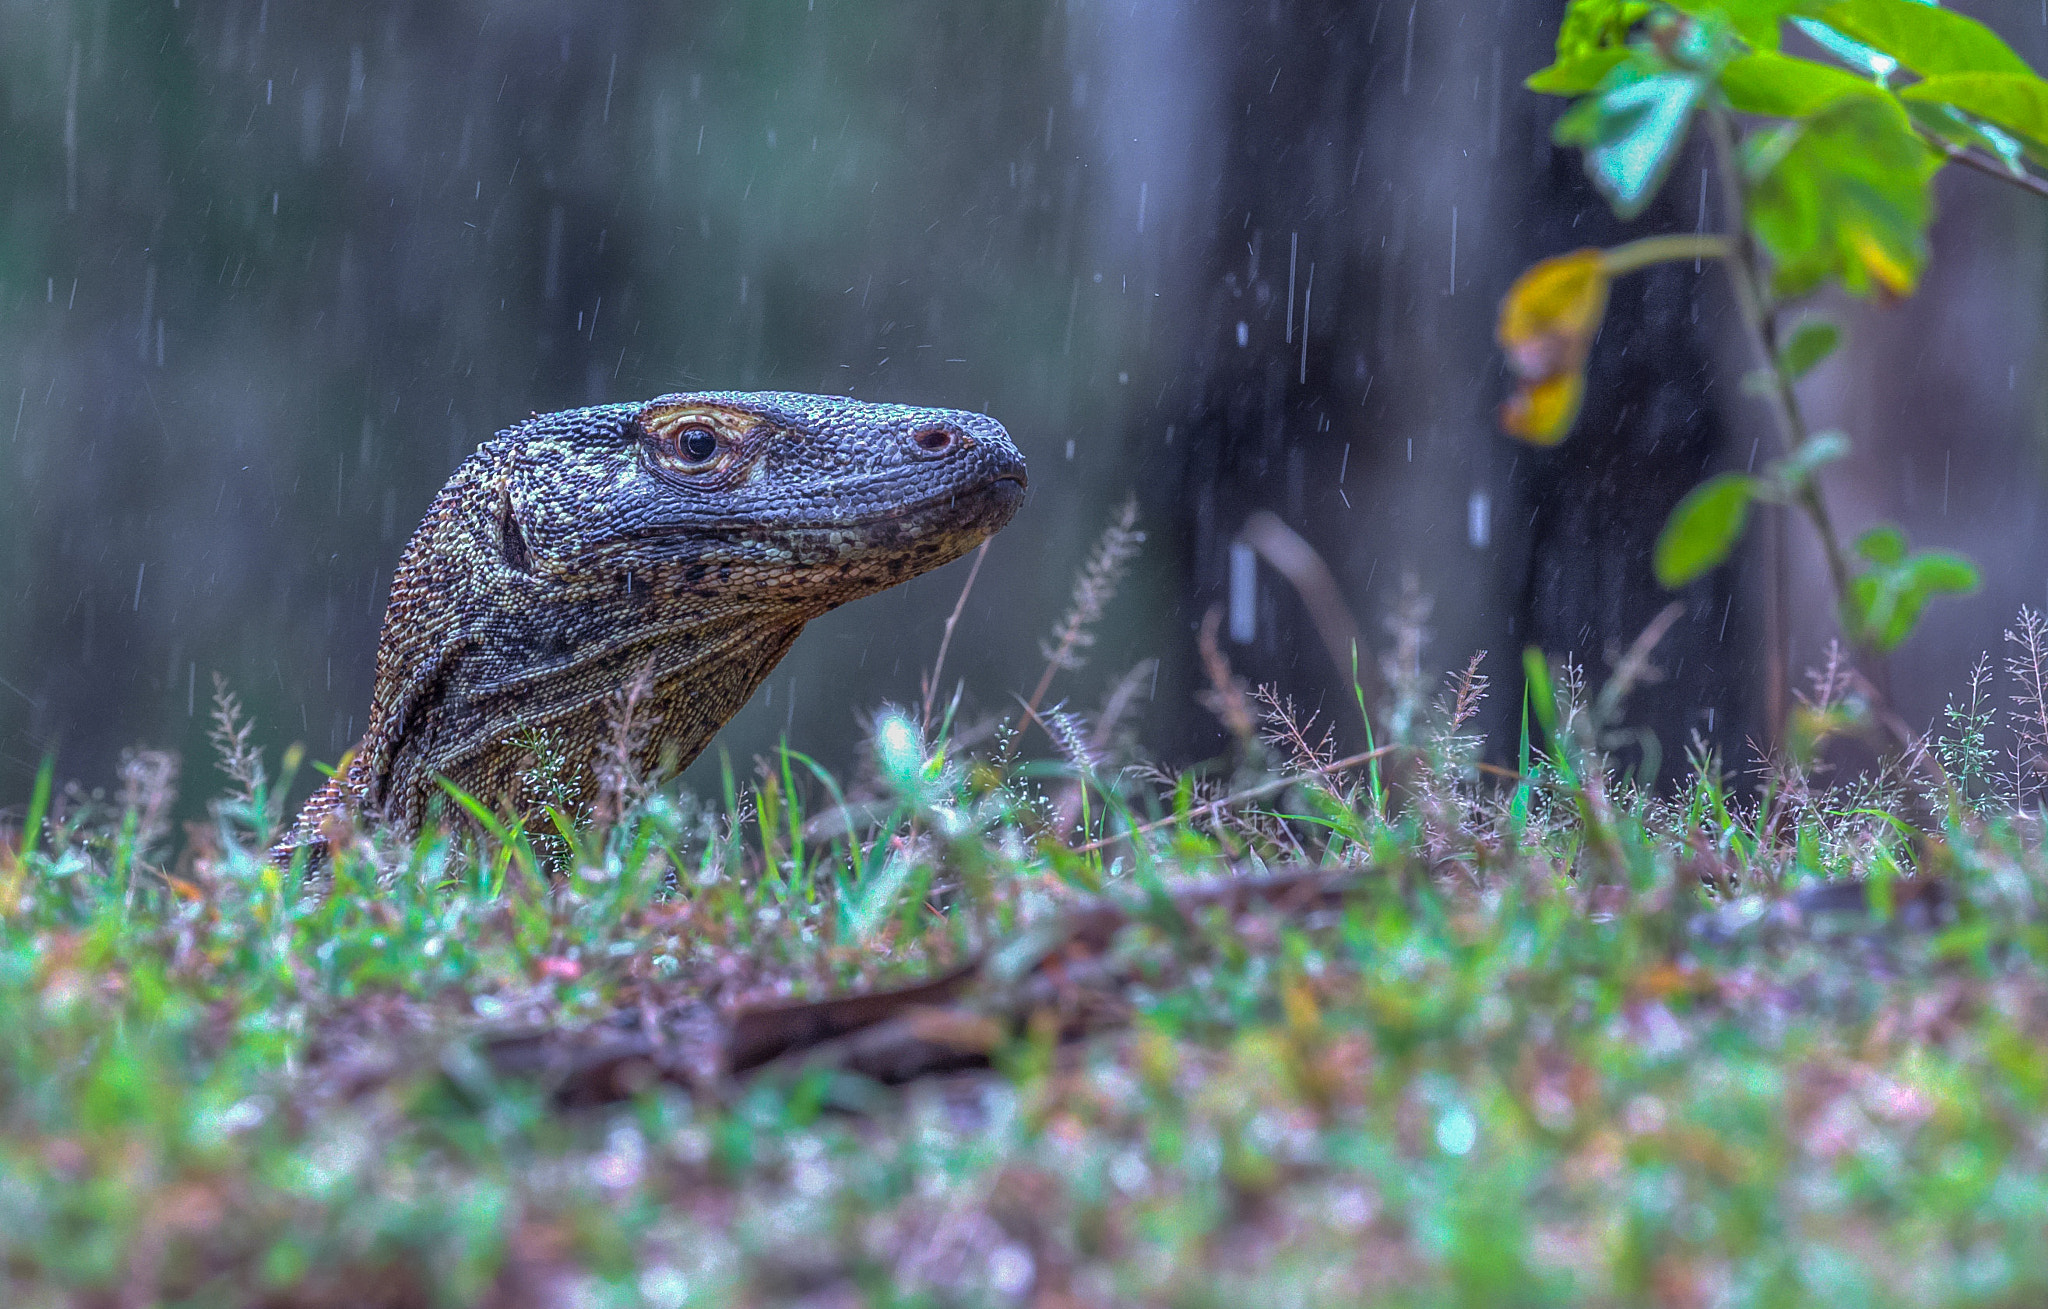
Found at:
(1566, 1040)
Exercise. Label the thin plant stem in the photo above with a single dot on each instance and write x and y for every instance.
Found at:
(1761, 320)
(1969, 158)
(1777, 620)
(1052, 667)
(931, 685)
(1651, 250)
(1093, 589)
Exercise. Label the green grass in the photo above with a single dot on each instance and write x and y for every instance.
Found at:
(1564, 1043)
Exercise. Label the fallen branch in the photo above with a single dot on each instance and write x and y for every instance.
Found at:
(1250, 793)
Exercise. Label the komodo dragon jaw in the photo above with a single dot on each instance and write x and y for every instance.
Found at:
(686, 541)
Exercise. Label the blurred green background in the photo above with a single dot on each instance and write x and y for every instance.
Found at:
(271, 271)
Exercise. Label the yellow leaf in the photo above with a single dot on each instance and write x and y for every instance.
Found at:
(1882, 263)
(1547, 322)
(1541, 413)
(1663, 980)
(1303, 1014)
(1561, 298)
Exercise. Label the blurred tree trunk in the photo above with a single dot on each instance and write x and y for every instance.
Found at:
(1590, 509)
(1343, 374)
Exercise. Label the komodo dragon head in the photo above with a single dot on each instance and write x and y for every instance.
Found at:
(684, 541)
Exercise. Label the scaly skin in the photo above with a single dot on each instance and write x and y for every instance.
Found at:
(575, 552)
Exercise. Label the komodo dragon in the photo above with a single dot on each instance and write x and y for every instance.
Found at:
(686, 540)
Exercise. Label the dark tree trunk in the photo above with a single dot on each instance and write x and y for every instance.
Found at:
(1369, 427)
(1590, 510)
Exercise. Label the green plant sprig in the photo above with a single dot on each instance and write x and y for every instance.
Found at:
(1825, 169)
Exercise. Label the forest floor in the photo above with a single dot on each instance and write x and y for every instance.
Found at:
(1405, 1030)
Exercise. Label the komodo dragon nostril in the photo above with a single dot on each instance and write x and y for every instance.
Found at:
(935, 440)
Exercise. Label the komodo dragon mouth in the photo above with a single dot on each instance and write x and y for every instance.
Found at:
(985, 507)
(684, 541)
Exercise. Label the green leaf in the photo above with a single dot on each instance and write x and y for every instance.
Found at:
(1784, 87)
(1577, 75)
(1874, 64)
(1924, 38)
(38, 805)
(1810, 342)
(1883, 545)
(1894, 615)
(1884, 603)
(1843, 195)
(1631, 129)
(1755, 21)
(2009, 149)
(1787, 475)
(1869, 608)
(1591, 25)
(1950, 124)
(874, 899)
(1816, 451)
(1703, 529)
(1591, 41)
(478, 810)
(1542, 693)
(2017, 102)
(1941, 572)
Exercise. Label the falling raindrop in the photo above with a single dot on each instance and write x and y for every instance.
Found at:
(1244, 593)
(1479, 519)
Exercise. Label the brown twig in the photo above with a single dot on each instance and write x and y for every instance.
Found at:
(1225, 695)
(1635, 664)
(1250, 793)
(1971, 158)
(1509, 774)
(1296, 560)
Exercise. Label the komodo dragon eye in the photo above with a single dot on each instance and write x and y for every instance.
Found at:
(697, 443)
(700, 448)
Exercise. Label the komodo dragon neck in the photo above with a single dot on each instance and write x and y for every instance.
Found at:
(686, 540)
